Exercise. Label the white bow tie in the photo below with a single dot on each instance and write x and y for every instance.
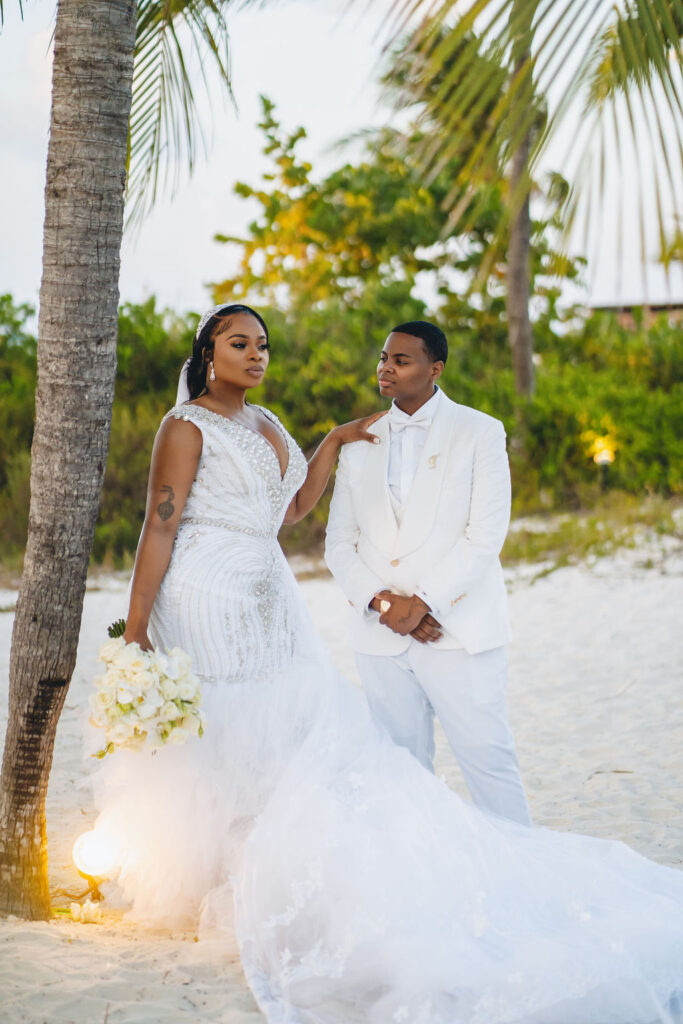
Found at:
(399, 420)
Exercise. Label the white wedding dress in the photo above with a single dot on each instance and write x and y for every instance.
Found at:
(360, 889)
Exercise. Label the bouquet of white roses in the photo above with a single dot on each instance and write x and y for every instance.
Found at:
(145, 698)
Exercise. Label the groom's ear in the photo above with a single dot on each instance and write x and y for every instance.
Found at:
(437, 369)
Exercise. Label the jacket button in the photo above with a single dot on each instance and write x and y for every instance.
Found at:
(394, 561)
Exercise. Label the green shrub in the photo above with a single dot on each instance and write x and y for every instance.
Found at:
(597, 380)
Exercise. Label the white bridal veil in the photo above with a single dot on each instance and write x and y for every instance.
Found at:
(183, 393)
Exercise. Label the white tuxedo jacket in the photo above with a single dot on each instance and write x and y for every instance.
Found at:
(453, 527)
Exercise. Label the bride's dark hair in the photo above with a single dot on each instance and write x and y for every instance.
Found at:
(203, 345)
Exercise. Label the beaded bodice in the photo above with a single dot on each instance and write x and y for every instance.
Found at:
(225, 598)
(239, 485)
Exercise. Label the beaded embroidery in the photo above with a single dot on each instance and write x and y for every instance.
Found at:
(259, 451)
(201, 521)
(226, 546)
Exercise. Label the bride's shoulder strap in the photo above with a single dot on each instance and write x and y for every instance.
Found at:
(176, 413)
(182, 411)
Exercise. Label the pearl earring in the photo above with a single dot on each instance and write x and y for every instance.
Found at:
(212, 375)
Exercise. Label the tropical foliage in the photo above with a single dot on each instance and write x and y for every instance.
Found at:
(597, 380)
(374, 234)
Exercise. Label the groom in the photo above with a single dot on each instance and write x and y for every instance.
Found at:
(416, 524)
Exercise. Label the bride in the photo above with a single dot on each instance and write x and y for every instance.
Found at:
(359, 888)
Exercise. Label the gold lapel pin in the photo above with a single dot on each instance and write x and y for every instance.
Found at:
(432, 460)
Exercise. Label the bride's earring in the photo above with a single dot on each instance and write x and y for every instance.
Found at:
(212, 375)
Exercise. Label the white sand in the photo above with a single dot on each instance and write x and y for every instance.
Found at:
(595, 702)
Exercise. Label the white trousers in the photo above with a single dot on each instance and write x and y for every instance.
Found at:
(467, 692)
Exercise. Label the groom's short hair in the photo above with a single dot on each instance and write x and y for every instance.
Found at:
(431, 336)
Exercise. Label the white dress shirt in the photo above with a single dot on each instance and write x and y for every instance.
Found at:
(408, 438)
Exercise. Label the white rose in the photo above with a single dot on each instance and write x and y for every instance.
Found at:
(121, 731)
(102, 700)
(110, 647)
(100, 714)
(191, 724)
(106, 681)
(149, 706)
(129, 658)
(144, 679)
(169, 712)
(181, 659)
(156, 662)
(125, 695)
(133, 677)
(100, 719)
(172, 669)
(169, 689)
(178, 735)
(109, 681)
(188, 689)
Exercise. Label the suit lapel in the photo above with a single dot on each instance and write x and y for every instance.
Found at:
(381, 521)
(420, 508)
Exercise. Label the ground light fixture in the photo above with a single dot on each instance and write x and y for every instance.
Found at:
(93, 856)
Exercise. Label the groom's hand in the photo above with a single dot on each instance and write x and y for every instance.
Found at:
(404, 614)
(428, 631)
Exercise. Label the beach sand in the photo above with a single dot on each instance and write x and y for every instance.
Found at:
(595, 704)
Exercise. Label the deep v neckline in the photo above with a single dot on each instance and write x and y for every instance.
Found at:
(257, 433)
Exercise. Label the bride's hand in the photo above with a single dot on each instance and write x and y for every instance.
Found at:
(357, 430)
(323, 460)
(138, 636)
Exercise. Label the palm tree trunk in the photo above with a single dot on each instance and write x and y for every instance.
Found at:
(518, 276)
(519, 253)
(91, 96)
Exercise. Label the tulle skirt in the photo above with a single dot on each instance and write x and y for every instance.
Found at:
(359, 888)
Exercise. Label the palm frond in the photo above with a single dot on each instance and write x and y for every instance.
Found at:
(630, 76)
(2, 10)
(613, 69)
(176, 45)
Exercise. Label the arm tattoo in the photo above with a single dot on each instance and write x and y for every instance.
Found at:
(166, 508)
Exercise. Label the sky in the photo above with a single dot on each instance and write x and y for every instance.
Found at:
(318, 62)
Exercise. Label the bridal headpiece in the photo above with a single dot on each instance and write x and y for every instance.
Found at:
(207, 316)
(183, 393)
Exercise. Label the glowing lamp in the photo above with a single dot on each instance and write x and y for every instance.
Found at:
(94, 859)
(603, 456)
